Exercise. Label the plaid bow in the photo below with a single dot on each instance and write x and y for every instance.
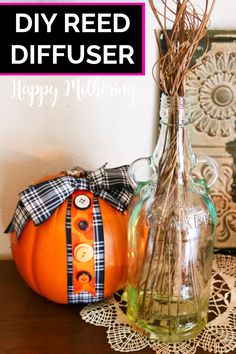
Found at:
(38, 202)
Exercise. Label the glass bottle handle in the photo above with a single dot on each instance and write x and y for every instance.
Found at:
(142, 162)
(213, 166)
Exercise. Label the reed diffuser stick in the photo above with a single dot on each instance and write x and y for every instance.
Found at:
(188, 27)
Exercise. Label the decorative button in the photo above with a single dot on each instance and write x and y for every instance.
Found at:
(83, 225)
(83, 252)
(84, 277)
(82, 201)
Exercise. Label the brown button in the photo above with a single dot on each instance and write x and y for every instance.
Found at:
(83, 253)
(83, 225)
(84, 277)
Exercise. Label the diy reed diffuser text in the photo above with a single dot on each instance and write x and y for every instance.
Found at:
(86, 23)
(80, 38)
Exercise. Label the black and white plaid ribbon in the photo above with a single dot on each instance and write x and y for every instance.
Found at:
(38, 202)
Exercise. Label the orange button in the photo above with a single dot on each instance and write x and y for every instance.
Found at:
(83, 253)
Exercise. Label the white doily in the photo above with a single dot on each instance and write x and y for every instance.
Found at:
(219, 336)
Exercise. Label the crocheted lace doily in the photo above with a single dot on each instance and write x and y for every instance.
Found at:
(219, 336)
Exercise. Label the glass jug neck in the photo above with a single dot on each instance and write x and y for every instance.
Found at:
(173, 142)
(175, 110)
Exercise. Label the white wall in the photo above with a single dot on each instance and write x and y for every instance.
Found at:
(87, 131)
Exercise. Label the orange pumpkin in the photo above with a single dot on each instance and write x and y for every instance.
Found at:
(41, 256)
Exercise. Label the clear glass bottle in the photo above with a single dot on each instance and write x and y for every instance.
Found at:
(171, 234)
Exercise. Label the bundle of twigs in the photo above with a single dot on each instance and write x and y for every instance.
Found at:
(188, 27)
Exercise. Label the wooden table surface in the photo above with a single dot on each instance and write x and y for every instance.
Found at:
(30, 324)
